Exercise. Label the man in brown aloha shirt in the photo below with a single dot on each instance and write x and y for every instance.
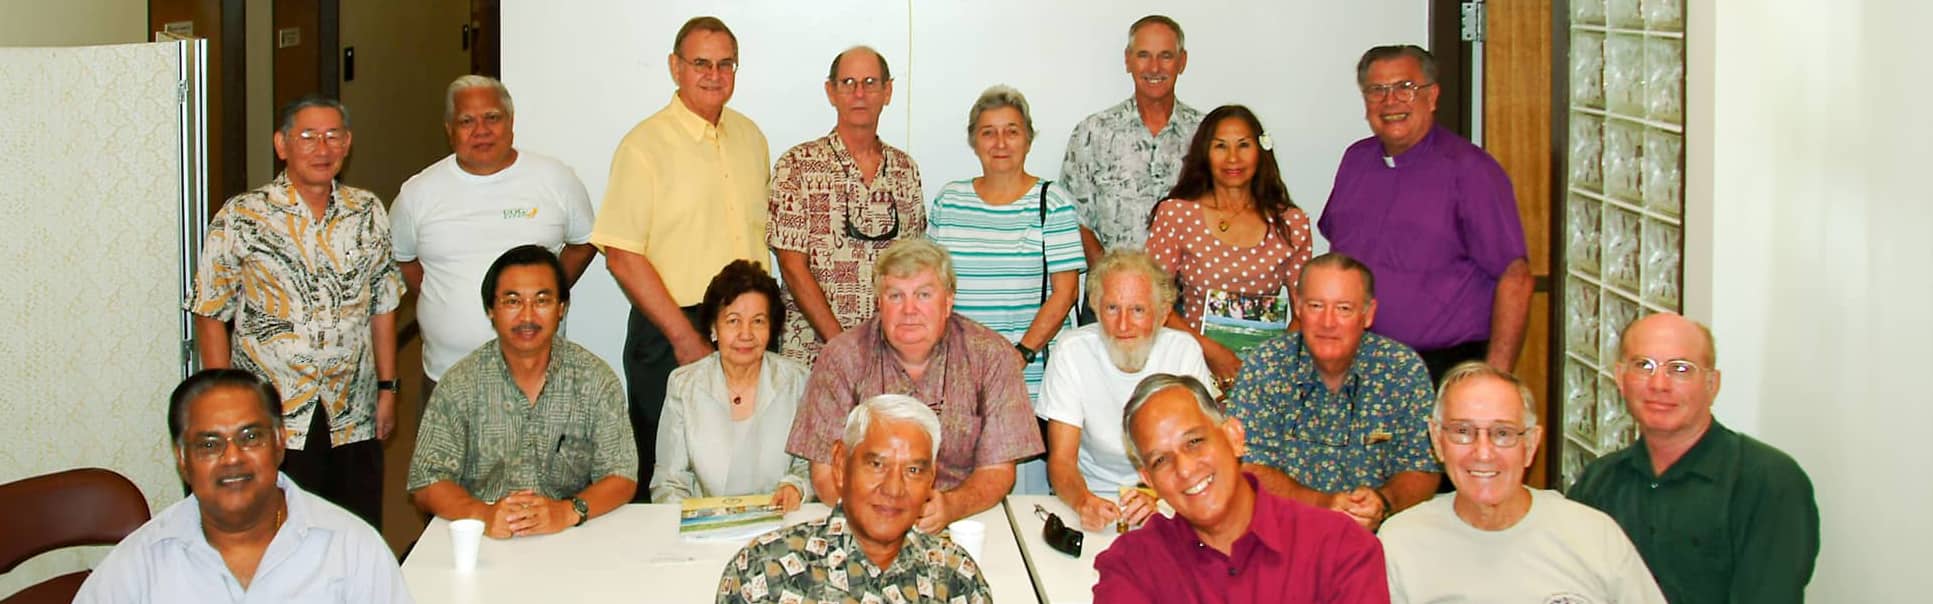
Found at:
(866, 551)
(837, 201)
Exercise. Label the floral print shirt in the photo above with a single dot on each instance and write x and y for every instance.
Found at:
(1115, 170)
(820, 561)
(1373, 427)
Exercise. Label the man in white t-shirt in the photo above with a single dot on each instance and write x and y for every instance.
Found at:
(1493, 540)
(1092, 373)
(458, 215)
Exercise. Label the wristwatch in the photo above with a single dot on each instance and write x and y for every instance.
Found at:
(583, 510)
(1026, 354)
(390, 385)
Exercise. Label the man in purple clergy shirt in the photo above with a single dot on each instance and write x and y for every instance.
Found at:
(1434, 217)
(1228, 540)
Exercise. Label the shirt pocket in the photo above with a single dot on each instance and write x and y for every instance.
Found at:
(570, 466)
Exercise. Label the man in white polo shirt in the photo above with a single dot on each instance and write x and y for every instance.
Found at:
(458, 215)
(1092, 373)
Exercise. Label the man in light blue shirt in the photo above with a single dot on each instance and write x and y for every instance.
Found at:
(247, 533)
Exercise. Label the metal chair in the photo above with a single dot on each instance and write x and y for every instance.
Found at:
(88, 506)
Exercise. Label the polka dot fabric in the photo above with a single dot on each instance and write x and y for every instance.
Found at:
(1180, 241)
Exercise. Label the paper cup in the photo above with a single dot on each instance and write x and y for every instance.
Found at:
(969, 535)
(466, 536)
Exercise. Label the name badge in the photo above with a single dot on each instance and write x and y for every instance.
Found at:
(1376, 436)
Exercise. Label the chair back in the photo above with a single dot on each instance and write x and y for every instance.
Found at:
(88, 506)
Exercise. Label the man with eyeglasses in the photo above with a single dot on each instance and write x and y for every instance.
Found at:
(686, 197)
(245, 533)
(836, 202)
(1337, 416)
(301, 268)
(1123, 159)
(1495, 540)
(457, 215)
(1717, 515)
(527, 433)
(1435, 217)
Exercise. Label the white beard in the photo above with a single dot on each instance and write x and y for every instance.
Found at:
(1128, 359)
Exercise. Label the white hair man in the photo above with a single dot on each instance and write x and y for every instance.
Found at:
(456, 216)
(884, 469)
(1092, 374)
(1527, 545)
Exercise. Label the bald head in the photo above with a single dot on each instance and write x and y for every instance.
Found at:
(1673, 329)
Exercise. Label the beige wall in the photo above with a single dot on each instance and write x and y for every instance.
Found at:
(406, 53)
(72, 22)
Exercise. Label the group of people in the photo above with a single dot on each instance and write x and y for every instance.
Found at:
(920, 361)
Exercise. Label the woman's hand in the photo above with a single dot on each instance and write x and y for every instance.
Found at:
(787, 498)
(1222, 362)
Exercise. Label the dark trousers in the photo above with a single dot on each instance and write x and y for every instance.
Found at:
(350, 476)
(648, 361)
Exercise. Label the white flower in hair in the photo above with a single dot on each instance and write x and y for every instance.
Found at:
(1268, 144)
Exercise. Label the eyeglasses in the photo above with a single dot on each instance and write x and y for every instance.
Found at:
(470, 122)
(1342, 310)
(308, 140)
(1405, 91)
(846, 85)
(211, 446)
(543, 303)
(890, 234)
(721, 66)
(1501, 435)
(1679, 370)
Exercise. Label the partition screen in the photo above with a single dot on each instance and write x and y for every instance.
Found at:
(97, 147)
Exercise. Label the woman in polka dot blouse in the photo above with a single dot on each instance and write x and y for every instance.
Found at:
(1228, 226)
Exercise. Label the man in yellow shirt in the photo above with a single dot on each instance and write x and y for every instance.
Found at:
(686, 197)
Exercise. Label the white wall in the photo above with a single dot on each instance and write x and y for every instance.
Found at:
(1809, 254)
(73, 22)
(583, 73)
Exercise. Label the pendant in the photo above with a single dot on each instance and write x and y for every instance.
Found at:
(1222, 226)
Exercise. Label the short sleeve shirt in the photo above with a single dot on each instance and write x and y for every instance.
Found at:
(820, 561)
(1115, 170)
(481, 432)
(301, 291)
(972, 381)
(818, 196)
(1375, 426)
(1182, 243)
(688, 195)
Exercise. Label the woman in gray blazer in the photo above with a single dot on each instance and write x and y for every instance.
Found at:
(726, 416)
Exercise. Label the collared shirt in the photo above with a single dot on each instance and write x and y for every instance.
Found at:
(817, 190)
(1734, 520)
(321, 554)
(301, 291)
(1560, 551)
(688, 195)
(1373, 427)
(1115, 170)
(480, 431)
(820, 561)
(1291, 553)
(1437, 225)
(703, 452)
(456, 224)
(972, 381)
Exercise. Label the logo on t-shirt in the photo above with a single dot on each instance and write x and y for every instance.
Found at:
(1567, 598)
(519, 213)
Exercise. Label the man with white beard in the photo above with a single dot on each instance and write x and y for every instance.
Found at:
(1092, 373)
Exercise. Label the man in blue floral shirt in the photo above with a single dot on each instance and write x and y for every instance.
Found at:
(1337, 417)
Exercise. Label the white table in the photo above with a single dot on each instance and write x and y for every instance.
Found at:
(634, 554)
(1059, 578)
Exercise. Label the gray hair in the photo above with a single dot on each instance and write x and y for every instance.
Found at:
(476, 81)
(1155, 384)
(996, 97)
(885, 72)
(1383, 53)
(891, 408)
(1339, 260)
(1131, 261)
(1181, 39)
(909, 256)
(309, 101)
(1471, 370)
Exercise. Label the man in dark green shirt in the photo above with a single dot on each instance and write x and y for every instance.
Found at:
(1718, 516)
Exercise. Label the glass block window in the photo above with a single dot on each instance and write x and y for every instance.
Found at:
(1623, 227)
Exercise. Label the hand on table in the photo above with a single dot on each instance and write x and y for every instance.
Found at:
(532, 514)
(1096, 513)
(787, 497)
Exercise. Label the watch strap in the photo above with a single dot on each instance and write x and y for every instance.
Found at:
(390, 385)
(583, 510)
